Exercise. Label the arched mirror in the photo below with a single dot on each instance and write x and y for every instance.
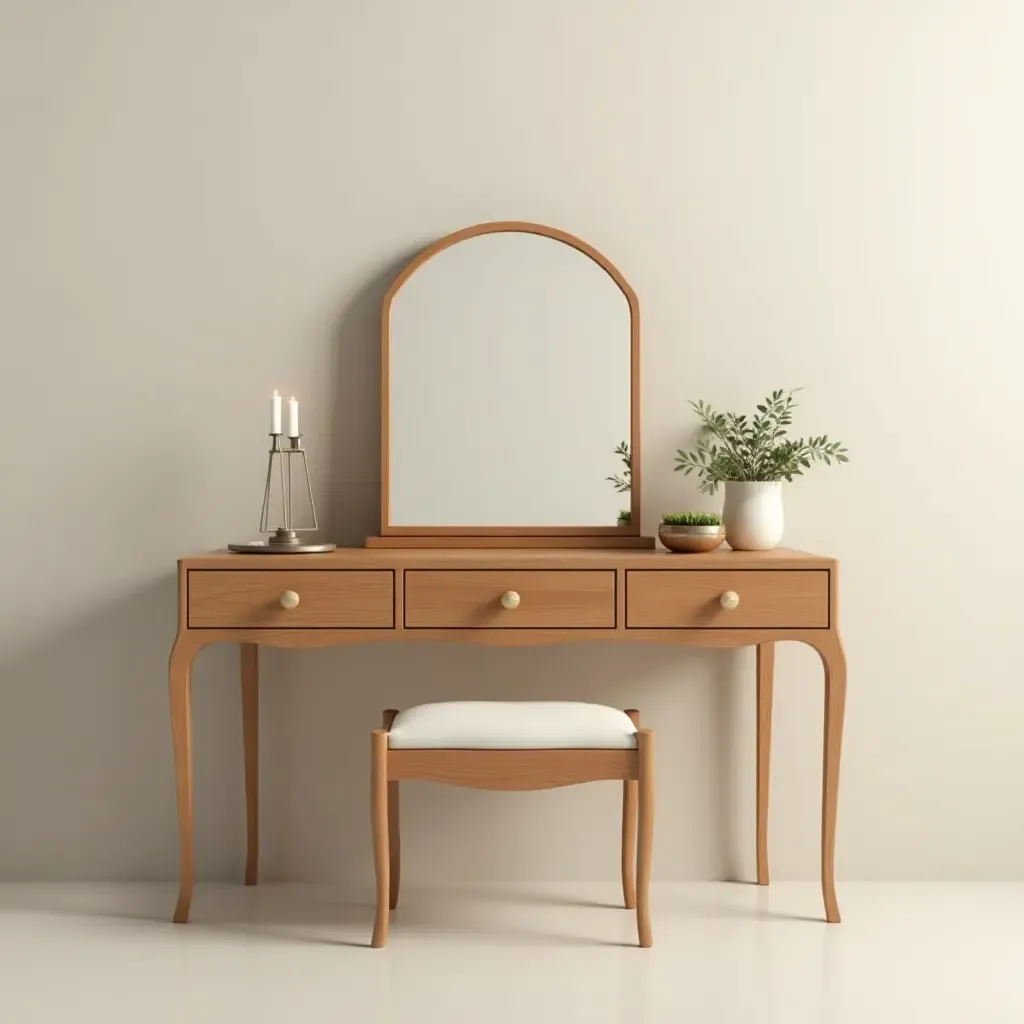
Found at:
(510, 377)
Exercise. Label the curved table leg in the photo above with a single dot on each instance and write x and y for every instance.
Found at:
(251, 748)
(833, 658)
(180, 677)
(765, 693)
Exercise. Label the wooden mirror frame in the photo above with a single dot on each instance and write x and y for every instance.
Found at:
(624, 536)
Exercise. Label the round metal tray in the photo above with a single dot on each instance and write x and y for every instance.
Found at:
(263, 547)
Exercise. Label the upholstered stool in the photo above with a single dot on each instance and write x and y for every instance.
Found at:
(512, 745)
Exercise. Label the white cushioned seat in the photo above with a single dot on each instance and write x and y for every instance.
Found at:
(512, 725)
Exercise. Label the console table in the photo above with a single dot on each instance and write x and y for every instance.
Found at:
(507, 597)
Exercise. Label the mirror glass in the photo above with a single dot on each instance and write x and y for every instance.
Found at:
(510, 387)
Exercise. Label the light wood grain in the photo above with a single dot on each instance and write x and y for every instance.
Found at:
(327, 599)
(833, 659)
(394, 826)
(250, 667)
(312, 638)
(507, 536)
(765, 694)
(471, 599)
(517, 770)
(692, 599)
(180, 683)
(379, 825)
(512, 769)
(594, 542)
(562, 557)
(645, 834)
(552, 535)
(680, 570)
(629, 825)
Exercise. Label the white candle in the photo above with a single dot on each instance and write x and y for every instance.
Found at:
(293, 417)
(275, 414)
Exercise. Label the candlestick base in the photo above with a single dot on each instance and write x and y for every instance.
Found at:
(264, 547)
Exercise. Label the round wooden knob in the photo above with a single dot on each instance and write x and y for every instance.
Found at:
(729, 600)
(510, 600)
(289, 599)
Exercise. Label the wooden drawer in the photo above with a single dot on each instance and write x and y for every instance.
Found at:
(548, 599)
(328, 599)
(691, 599)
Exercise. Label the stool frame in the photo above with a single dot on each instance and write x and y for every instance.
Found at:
(527, 769)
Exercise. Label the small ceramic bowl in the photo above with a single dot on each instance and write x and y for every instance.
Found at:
(691, 539)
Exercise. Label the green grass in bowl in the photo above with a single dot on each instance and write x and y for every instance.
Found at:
(691, 519)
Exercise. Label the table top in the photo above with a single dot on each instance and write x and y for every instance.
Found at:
(524, 558)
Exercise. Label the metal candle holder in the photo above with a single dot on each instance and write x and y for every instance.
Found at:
(284, 538)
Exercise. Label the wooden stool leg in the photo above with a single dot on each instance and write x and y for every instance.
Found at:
(394, 828)
(629, 797)
(645, 830)
(394, 845)
(379, 818)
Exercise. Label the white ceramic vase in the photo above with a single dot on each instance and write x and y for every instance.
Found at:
(753, 515)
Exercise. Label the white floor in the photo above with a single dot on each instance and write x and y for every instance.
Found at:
(722, 953)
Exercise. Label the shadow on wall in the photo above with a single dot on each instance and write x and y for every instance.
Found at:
(352, 452)
(87, 786)
(86, 771)
(319, 707)
(86, 789)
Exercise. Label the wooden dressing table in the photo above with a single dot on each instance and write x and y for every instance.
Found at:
(357, 596)
(510, 369)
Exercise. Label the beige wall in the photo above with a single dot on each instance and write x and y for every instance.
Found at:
(204, 200)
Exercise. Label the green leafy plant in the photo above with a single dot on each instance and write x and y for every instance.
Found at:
(623, 483)
(625, 517)
(756, 449)
(691, 519)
